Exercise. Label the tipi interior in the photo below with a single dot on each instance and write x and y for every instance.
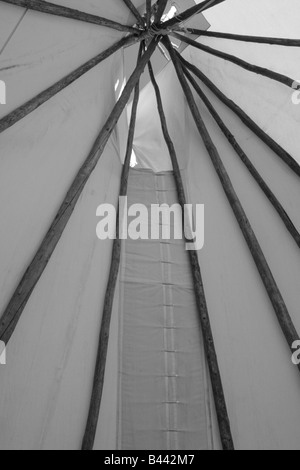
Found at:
(140, 344)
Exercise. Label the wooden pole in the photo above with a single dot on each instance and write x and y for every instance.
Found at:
(161, 6)
(244, 158)
(65, 12)
(187, 14)
(278, 77)
(22, 111)
(98, 383)
(239, 37)
(154, 8)
(266, 275)
(245, 118)
(148, 13)
(209, 4)
(16, 305)
(212, 360)
(134, 11)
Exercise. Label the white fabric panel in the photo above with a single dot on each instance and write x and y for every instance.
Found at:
(270, 105)
(254, 358)
(277, 115)
(9, 19)
(255, 361)
(267, 18)
(272, 168)
(115, 10)
(165, 403)
(45, 388)
(52, 379)
(260, 382)
(52, 143)
(29, 66)
(149, 144)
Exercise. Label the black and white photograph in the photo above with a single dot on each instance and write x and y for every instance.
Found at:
(149, 228)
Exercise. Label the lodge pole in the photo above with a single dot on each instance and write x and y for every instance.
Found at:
(245, 118)
(195, 10)
(18, 301)
(245, 159)
(65, 12)
(22, 111)
(212, 360)
(281, 311)
(148, 13)
(239, 37)
(134, 11)
(161, 6)
(264, 72)
(99, 375)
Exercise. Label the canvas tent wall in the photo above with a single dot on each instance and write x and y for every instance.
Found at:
(45, 387)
